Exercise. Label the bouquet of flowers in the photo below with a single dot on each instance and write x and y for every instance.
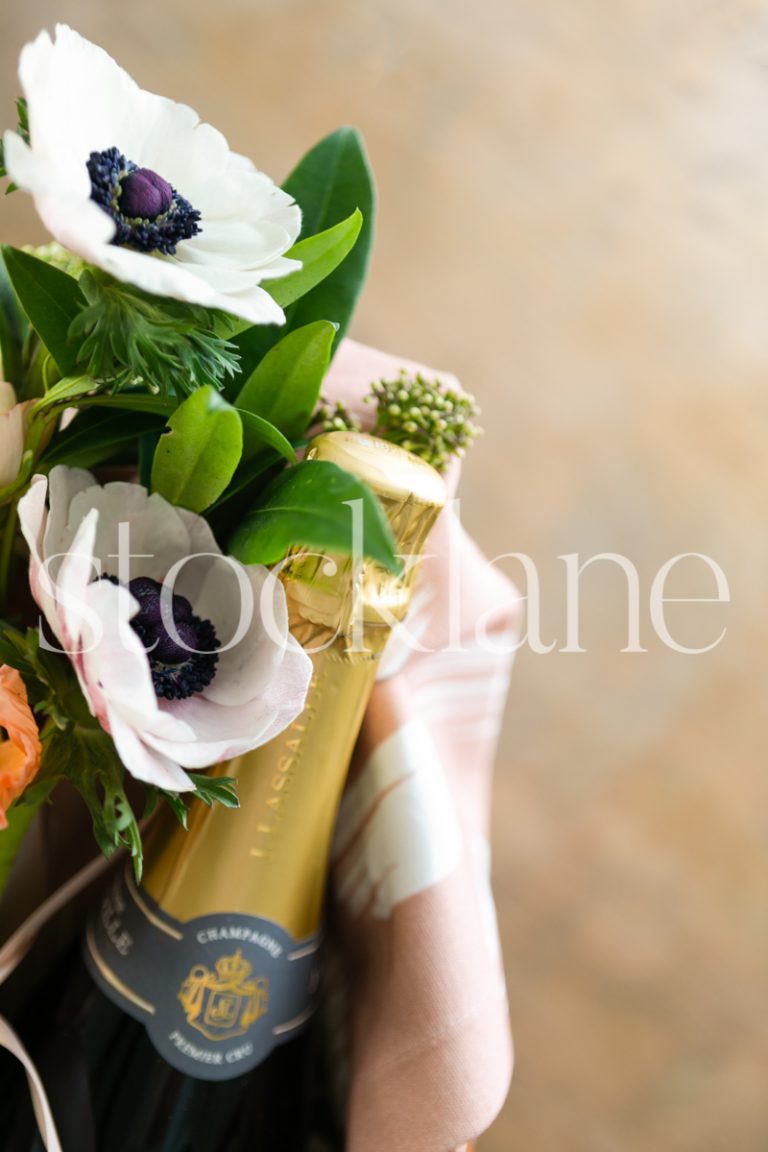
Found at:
(162, 361)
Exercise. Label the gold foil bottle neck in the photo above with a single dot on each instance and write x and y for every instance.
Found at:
(389, 470)
(339, 592)
(270, 858)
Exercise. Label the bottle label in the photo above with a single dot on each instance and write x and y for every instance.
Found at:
(217, 994)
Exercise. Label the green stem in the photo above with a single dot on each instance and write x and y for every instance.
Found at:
(133, 402)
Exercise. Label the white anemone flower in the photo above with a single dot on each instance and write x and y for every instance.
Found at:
(137, 185)
(218, 682)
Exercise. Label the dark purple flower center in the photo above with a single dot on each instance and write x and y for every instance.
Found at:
(181, 650)
(148, 212)
(143, 193)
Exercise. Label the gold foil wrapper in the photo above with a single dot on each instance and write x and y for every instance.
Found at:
(269, 858)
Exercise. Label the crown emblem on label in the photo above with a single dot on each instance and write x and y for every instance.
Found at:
(226, 1002)
(233, 969)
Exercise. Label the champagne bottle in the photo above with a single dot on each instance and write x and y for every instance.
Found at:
(187, 1028)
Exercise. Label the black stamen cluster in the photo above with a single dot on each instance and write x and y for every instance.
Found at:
(180, 665)
(157, 233)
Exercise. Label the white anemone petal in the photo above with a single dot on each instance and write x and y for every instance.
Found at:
(80, 101)
(143, 761)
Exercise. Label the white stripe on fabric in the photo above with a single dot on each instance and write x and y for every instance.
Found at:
(412, 836)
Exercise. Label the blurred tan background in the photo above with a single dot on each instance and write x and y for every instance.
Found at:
(574, 218)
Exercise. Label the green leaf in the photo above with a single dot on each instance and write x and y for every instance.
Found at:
(13, 649)
(51, 300)
(66, 391)
(215, 789)
(13, 331)
(308, 505)
(319, 256)
(177, 806)
(247, 474)
(87, 757)
(96, 434)
(285, 386)
(332, 180)
(252, 345)
(258, 432)
(197, 458)
(133, 402)
(124, 336)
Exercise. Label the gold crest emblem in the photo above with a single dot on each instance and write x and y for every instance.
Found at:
(226, 1002)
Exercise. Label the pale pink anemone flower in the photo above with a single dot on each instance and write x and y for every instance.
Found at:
(13, 427)
(137, 185)
(168, 699)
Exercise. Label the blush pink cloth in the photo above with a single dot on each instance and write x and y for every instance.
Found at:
(430, 1055)
(417, 1002)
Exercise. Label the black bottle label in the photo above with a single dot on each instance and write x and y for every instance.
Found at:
(217, 994)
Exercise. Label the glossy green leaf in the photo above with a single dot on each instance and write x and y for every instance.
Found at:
(97, 434)
(260, 433)
(285, 386)
(197, 457)
(248, 473)
(13, 328)
(51, 299)
(319, 256)
(308, 505)
(331, 181)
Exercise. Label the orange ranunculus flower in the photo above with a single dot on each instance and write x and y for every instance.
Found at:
(20, 753)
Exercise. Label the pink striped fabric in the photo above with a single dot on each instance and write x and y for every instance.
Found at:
(419, 1025)
(413, 919)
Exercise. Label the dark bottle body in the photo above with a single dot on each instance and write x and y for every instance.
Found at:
(111, 1091)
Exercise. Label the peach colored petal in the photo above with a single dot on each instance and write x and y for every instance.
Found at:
(20, 753)
(13, 429)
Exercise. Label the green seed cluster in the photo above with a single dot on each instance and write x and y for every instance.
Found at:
(424, 417)
(336, 417)
(60, 257)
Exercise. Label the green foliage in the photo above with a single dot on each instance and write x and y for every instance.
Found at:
(247, 474)
(99, 433)
(76, 748)
(51, 300)
(333, 180)
(424, 417)
(209, 789)
(259, 433)
(215, 789)
(67, 391)
(124, 336)
(285, 385)
(13, 331)
(309, 506)
(319, 256)
(86, 756)
(232, 400)
(334, 187)
(337, 417)
(196, 458)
